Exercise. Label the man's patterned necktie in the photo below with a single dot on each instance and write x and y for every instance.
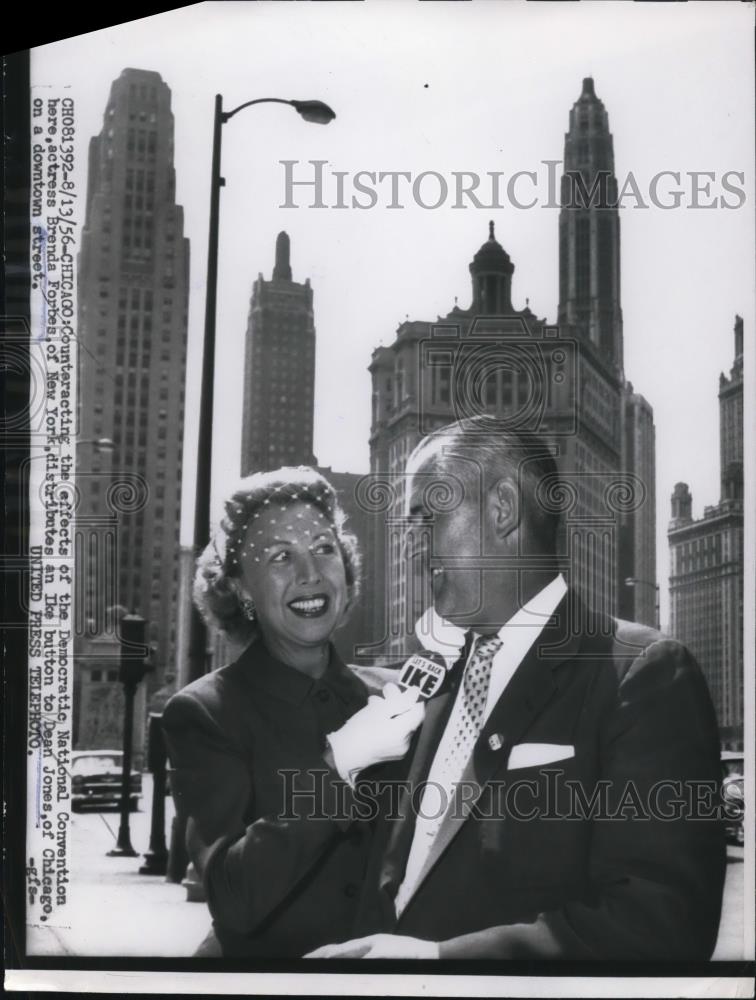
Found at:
(467, 716)
(455, 748)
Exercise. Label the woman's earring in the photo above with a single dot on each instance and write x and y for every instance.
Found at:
(248, 609)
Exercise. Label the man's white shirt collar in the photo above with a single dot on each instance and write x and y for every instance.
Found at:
(438, 635)
(519, 634)
(538, 610)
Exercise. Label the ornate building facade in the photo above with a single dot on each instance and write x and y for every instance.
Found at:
(706, 565)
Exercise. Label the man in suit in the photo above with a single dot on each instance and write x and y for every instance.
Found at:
(561, 798)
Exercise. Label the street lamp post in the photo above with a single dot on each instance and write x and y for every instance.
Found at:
(633, 581)
(311, 111)
(134, 666)
(156, 858)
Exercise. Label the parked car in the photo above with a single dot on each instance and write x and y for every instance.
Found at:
(733, 795)
(96, 779)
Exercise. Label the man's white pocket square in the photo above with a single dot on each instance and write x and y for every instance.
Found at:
(535, 754)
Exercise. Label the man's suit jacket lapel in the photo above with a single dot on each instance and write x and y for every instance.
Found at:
(533, 684)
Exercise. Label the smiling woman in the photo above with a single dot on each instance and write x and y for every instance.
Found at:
(282, 565)
(266, 807)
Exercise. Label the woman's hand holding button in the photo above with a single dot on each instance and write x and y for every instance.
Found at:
(379, 732)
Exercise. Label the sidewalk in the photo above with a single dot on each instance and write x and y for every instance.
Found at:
(730, 943)
(112, 909)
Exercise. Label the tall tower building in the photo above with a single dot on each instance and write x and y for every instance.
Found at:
(590, 310)
(706, 565)
(589, 231)
(133, 297)
(279, 370)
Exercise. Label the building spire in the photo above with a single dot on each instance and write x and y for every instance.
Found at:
(282, 268)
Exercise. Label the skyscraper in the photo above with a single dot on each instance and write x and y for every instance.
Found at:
(133, 297)
(637, 589)
(731, 423)
(589, 232)
(279, 371)
(706, 564)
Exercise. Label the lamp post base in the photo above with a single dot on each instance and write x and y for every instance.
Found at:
(122, 852)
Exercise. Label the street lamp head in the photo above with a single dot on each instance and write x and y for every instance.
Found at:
(314, 111)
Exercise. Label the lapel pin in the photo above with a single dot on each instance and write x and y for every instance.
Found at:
(496, 741)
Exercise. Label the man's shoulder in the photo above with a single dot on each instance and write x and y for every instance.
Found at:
(635, 635)
(625, 648)
(641, 649)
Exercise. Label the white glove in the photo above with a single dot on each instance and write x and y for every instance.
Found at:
(379, 946)
(379, 732)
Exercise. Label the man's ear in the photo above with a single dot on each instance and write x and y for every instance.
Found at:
(506, 508)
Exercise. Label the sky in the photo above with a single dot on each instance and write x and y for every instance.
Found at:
(485, 86)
